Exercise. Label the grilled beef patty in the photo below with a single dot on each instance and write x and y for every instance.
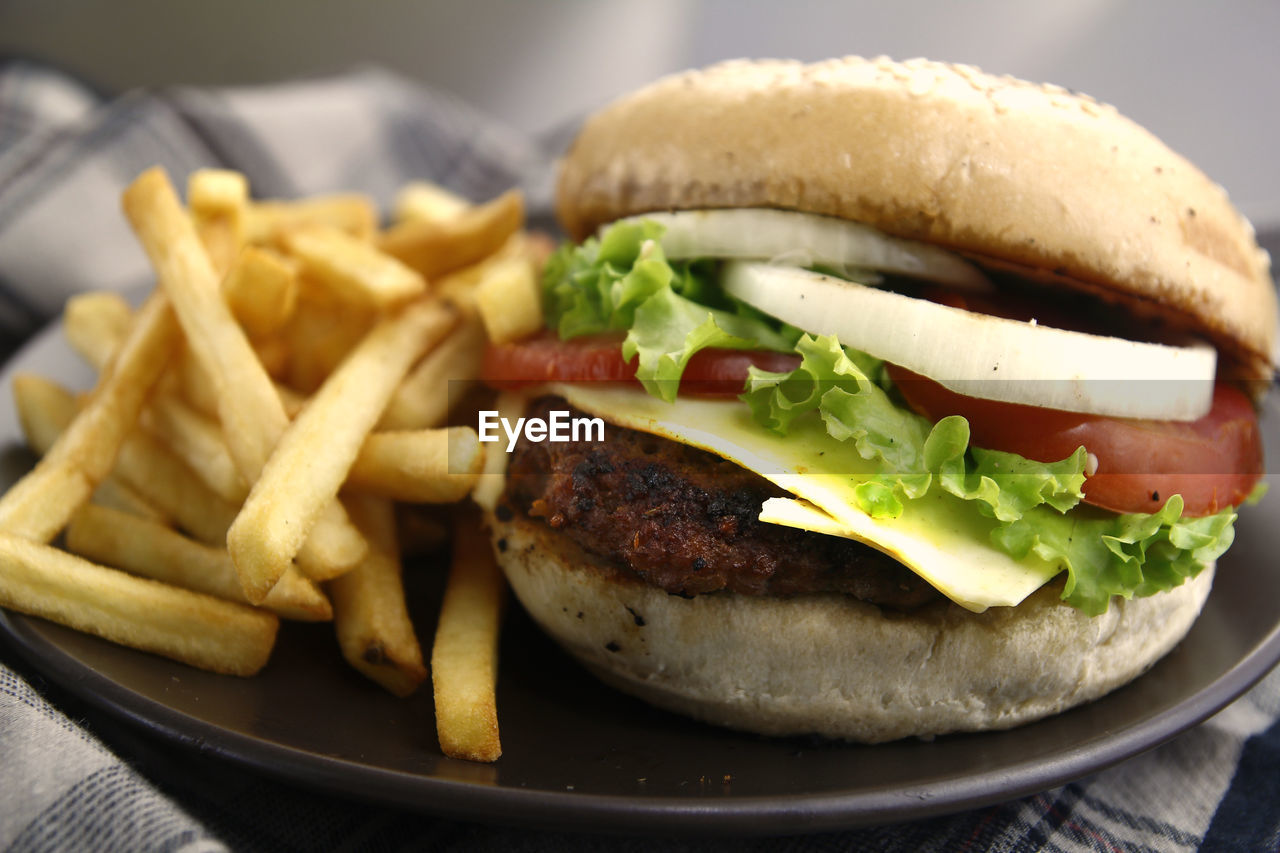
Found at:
(685, 520)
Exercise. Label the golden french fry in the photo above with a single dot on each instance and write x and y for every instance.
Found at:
(195, 386)
(249, 408)
(262, 290)
(276, 355)
(122, 390)
(143, 464)
(435, 248)
(320, 334)
(244, 392)
(509, 301)
(293, 401)
(218, 199)
(267, 221)
(161, 478)
(95, 324)
(40, 503)
(369, 611)
(521, 244)
(353, 269)
(152, 550)
(419, 466)
(464, 657)
(196, 629)
(114, 494)
(45, 409)
(423, 201)
(197, 440)
(438, 381)
(213, 192)
(313, 457)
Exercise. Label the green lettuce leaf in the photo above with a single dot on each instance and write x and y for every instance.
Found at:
(1125, 555)
(1033, 504)
(847, 389)
(623, 281)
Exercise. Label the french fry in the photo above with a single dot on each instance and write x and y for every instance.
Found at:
(293, 401)
(114, 494)
(419, 466)
(218, 199)
(262, 290)
(426, 202)
(353, 269)
(154, 472)
(197, 388)
(439, 380)
(267, 221)
(143, 465)
(249, 408)
(320, 334)
(190, 627)
(45, 409)
(212, 486)
(142, 547)
(369, 611)
(197, 440)
(40, 503)
(276, 355)
(242, 387)
(435, 248)
(95, 324)
(509, 301)
(426, 466)
(459, 285)
(313, 457)
(464, 657)
(217, 192)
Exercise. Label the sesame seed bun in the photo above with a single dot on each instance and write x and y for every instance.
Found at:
(1027, 175)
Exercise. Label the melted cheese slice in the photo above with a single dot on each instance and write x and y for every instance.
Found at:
(939, 537)
(936, 541)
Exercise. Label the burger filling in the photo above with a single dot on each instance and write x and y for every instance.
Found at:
(1018, 462)
(687, 521)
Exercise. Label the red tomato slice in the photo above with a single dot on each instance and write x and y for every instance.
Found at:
(1213, 462)
(598, 358)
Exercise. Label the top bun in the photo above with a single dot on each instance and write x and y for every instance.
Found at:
(994, 167)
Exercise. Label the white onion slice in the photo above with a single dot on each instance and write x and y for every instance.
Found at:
(790, 238)
(983, 356)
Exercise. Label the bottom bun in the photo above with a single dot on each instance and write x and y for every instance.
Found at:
(829, 664)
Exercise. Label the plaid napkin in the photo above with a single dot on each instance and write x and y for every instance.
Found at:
(73, 779)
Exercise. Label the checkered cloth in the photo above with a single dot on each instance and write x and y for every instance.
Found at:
(74, 779)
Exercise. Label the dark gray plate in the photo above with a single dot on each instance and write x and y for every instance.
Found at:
(577, 754)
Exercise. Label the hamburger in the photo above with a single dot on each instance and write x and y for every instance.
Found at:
(929, 399)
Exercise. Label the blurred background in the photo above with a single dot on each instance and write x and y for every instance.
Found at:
(1204, 77)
